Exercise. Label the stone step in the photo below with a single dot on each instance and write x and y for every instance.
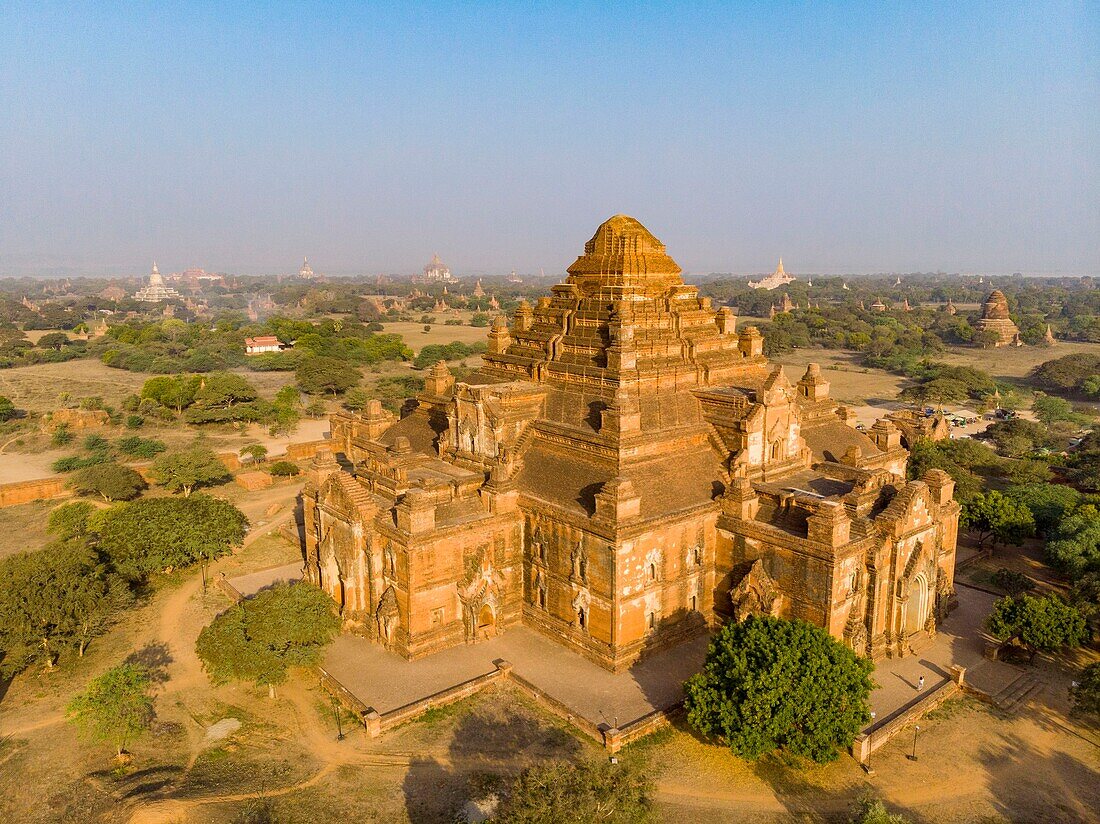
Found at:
(1017, 692)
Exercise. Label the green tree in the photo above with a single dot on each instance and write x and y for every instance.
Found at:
(357, 398)
(1085, 691)
(258, 639)
(117, 707)
(221, 397)
(284, 468)
(938, 391)
(137, 447)
(257, 452)
(172, 391)
(193, 467)
(108, 480)
(1048, 503)
(70, 520)
(154, 534)
(55, 599)
(1050, 409)
(7, 409)
(53, 340)
(1075, 548)
(319, 374)
(559, 793)
(998, 519)
(769, 683)
(1040, 624)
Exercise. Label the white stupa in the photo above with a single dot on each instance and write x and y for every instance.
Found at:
(156, 291)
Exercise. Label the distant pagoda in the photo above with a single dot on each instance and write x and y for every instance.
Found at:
(995, 317)
(156, 291)
(774, 280)
(306, 272)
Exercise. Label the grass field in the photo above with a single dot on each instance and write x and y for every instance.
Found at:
(416, 338)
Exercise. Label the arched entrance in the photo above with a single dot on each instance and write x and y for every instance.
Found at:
(486, 622)
(916, 606)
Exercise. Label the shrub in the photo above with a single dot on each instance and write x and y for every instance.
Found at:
(284, 469)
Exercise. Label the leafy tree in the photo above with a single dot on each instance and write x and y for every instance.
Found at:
(1085, 693)
(173, 391)
(53, 340)
(183, 471)
(938, 391)
(1050, 409)
(998, 519)
(108, 480)
(1012, 582)
(258, 639)
(1066, 374)
(317, 375)
(154, 534)
(55, 599)
(1017, 436)
(257, 452)
(1040, 624)
(7, 409)
(769, 683)
(1075, 548)
(285, 469)
(116, 707)
(1083, 466)
(1048, 503)
(357, 398)
(559, 793)
(138, 447)
(221, 397)
(70, 520)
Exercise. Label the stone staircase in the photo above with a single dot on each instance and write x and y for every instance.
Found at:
(1018, 692)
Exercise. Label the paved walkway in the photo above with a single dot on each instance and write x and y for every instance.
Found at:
(386, 681)
(959, 642)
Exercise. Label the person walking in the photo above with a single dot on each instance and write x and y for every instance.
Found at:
(920, 683)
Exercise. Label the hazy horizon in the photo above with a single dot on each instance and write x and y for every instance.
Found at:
(848, 140)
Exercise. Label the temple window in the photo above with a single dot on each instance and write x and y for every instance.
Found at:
(692, 605)
(651, 622)
(583, 569)
(542, 597)
(651, 573)
(582, 618)
(698, 556)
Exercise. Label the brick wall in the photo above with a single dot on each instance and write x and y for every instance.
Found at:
(24, 492)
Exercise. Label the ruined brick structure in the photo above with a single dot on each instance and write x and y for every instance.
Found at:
(625, 470)
(995, 317)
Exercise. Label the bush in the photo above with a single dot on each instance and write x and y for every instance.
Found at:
(769, 683)
(70, 520)
(570, 794)
(284, 469)
(108, 480)
(1012, 582)
(134, 421)
(137, 447)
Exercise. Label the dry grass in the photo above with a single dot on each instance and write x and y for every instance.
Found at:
(416, 338)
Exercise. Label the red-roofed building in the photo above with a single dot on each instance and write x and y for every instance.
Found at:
(262, 345)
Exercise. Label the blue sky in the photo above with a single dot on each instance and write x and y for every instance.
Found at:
(845, 137)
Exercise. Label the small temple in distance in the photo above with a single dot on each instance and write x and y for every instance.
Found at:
(157, 290)
(773, 281)
(625, 471)
(995, 317)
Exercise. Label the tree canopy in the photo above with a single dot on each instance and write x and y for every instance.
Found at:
(559, 793)
(770, 683)
(1075, 544)
(70, 520)
(54, 600)
(318, 375)
(110, 481)
(1041, 624)
(183, 471)
(154, 534)
(1085, 693)
(116, 707)
(258, 639)
(998, 519)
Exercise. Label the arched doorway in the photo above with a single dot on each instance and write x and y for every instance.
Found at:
(486, 622)
(916, 606)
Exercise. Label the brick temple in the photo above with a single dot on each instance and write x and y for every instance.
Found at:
(624, 471)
